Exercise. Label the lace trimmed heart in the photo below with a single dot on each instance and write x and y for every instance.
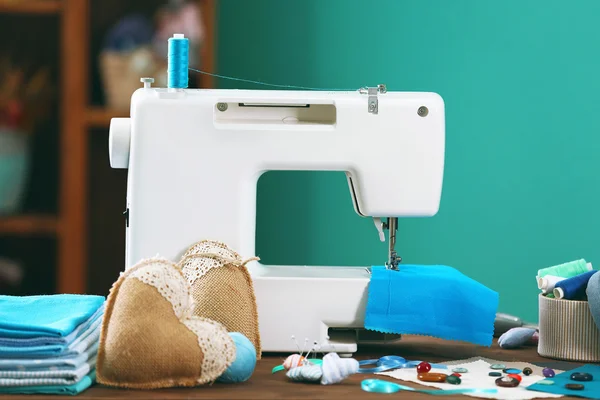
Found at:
(150, 339)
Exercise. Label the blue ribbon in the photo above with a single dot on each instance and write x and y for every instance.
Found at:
(380, 386)
(391, 362)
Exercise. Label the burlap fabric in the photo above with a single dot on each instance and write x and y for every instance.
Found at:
(222, 288)
(149, 337)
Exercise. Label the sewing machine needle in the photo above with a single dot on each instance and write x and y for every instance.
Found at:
(392, 256)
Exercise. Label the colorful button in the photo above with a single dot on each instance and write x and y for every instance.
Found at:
(432, 377)
(453, 380)
(497, 366)
(460, 370)
(423, 367)
(515, 376)
(545, 382)
(527, 371)
(507, 382)
(574, 386)
(511, 371)
(456, 374)
(548, 372)
(495, 374)
(582, 376)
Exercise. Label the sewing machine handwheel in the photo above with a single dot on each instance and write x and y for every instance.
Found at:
(118, 142)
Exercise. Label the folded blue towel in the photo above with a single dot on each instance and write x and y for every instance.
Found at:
(73, 389)
(34, 364)
(78, 346)
(53, 315)
(431, 300)
(73, 373)
(60, 342)
(48, 377)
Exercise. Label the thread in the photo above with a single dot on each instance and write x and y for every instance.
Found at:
(178, 61)
(274, 85)
(245, 360)
(548, 282)
(566, 270)
(573, 288)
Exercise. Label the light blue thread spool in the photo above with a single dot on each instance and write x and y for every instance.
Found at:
(245, 360)
(177, 71)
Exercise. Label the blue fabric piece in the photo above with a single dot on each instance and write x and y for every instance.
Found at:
(38, 346)
(79, 346)
(593, 296)
(431, 300)
(33, 364)
(70, 390)
(515, 337)
(591, 389)
(52, 315)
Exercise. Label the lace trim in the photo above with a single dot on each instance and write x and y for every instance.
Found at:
(166, 277)
(216, 345)
(212, 247)
(205, 255)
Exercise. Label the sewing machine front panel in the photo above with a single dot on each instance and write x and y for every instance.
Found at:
(193, 173)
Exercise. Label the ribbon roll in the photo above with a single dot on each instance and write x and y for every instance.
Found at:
(387, 363)
(381, 386)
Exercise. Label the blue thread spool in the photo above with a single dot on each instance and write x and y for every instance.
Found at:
(177, 71)
(573, 288)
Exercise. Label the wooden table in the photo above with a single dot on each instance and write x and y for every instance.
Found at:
(265, 385)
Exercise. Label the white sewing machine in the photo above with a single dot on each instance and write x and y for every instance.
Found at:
(194, 158)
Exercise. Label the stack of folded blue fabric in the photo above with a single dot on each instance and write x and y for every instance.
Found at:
(48, 344)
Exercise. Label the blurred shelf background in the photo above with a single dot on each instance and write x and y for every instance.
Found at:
(69, 236)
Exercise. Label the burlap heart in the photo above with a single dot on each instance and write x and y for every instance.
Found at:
(149, 337)
(222, 288)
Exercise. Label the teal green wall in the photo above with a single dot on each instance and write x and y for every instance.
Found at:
(521, 84)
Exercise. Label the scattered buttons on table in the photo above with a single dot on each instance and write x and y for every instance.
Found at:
(460, 370)
(507, 382)
(574, 386)
(453, 380)
(495, 374)
(548, 372)
(582, 376)
(511, 371)
(527, 371)
(498, 366)
(432, 377)
(423, 367)
(515, 376)
(545, 382)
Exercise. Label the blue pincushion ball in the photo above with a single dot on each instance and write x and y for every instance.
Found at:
(245, 360)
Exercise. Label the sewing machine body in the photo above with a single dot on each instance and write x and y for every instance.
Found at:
(194, 159)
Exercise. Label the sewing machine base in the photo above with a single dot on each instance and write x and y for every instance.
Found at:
(325, 305)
